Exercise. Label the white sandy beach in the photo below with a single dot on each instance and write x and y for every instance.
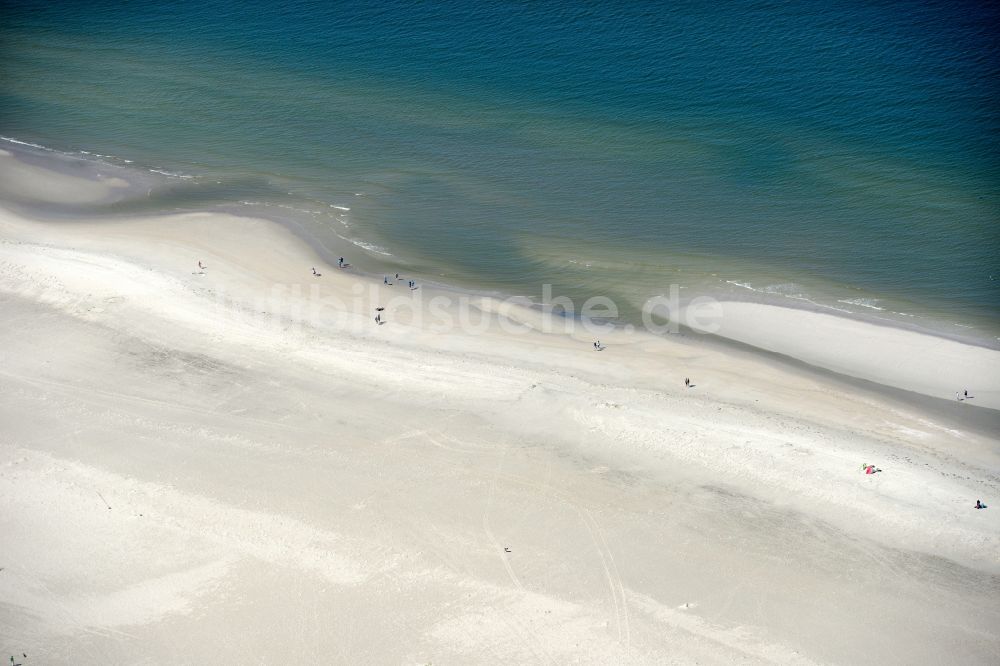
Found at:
(237, 465)
(913, 361)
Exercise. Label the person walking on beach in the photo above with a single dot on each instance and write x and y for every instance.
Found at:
(200, 265)
(687, 382)
(980, 505)
(315, 273)
(385, 279)
(340, 264)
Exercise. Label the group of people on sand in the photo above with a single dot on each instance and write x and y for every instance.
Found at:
(412, 284)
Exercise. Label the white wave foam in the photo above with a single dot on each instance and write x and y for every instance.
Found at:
(862, 302)
(90, 157)
(171, 173)
(267, 204)
(371, 247)
(26, 143)
(787, 290)
(339, 207)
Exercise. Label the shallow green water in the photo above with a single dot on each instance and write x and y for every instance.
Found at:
(825, 155)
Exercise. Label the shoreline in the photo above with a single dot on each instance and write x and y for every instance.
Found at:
(769, 339)
(276, 462)
(230, 300)
(375, 263)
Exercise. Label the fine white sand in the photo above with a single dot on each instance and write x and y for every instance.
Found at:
(895, 357)
(237, 465)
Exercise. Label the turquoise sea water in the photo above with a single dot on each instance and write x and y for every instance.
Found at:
(822, 154)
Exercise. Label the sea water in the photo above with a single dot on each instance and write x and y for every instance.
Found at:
(835, 155)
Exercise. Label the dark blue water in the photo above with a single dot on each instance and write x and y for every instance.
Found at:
(828, 154)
